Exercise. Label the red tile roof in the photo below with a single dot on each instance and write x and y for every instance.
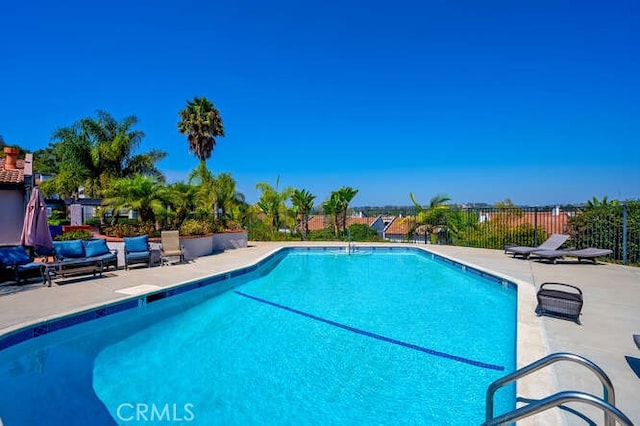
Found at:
(400, 226)
(12, 177)
(552, 224)
(318, 222)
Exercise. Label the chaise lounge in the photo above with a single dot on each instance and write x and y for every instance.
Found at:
(590, 253)
(552, 243)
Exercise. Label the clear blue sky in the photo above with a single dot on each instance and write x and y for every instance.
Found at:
(537, 101)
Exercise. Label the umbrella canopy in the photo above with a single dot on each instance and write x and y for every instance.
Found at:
(35, 230)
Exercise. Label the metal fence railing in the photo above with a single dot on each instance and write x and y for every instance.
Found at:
(614, 226)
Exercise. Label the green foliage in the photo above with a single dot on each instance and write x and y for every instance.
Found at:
(326, 234)
(94, 151)
(202, 123)
(121, 230)
(338, 205)
(195, 227)
(362, 232)
(75, 235)
(600, 224)
(94, 221)
(259, 231)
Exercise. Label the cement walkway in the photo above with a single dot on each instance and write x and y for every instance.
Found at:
(609, 317)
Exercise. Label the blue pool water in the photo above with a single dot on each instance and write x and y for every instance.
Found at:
(312, 337)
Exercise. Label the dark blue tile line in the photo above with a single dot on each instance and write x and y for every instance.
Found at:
(376, 336)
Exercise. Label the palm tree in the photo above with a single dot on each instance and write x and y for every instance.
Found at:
(205, 194)
(143, 194)
(202, 123)
(93, 152)
(338, 205)
(272, 202)
(345, 195)
(432, 216)
(228, 199)
(302, 200)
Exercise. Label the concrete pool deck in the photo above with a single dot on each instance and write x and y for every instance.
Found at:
(609, 316)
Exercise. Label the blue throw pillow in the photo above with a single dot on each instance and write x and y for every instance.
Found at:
(134, 244)
(69, 249)
(96, 247)
(10, 256)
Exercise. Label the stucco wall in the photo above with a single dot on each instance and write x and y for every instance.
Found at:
(11, 216)
(195, 247)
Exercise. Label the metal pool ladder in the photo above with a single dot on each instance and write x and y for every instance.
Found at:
(606, 403)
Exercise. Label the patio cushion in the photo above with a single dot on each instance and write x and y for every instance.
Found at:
(69, 249)
(136, 244)
(96, 247)
(16, 255)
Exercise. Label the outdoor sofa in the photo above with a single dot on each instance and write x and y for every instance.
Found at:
(86, 251)
(17, 262)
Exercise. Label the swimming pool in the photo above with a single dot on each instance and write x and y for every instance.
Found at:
(308, 336)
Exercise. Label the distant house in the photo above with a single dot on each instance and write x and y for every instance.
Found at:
(553, 221)
(319, 222)
(397, 229)
(15, 186)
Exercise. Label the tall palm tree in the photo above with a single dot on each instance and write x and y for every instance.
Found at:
(202, 123)
(302, 200)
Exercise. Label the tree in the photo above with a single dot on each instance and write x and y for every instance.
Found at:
(338, 206)
(93, 152)
(431, 216)
(302, 200)
(230, 202)
(144, 194)
(202, 123)
(272, 202)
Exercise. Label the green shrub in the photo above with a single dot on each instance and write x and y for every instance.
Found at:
(74, 235)
(326, 234)
(362, 232)
(58, 222)
(94, 221)
(195, 227)
(121, 230)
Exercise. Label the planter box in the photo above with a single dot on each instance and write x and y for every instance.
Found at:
(194, 246)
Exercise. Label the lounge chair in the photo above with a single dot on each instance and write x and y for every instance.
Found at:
(171, 246)
(552, 243)
(586, 253)
(137, 250)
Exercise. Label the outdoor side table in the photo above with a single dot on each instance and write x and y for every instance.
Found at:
(560, 300)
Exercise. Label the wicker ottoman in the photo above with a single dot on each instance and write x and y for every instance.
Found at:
(560, 300)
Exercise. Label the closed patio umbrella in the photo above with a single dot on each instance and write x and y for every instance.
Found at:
(35, 230)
